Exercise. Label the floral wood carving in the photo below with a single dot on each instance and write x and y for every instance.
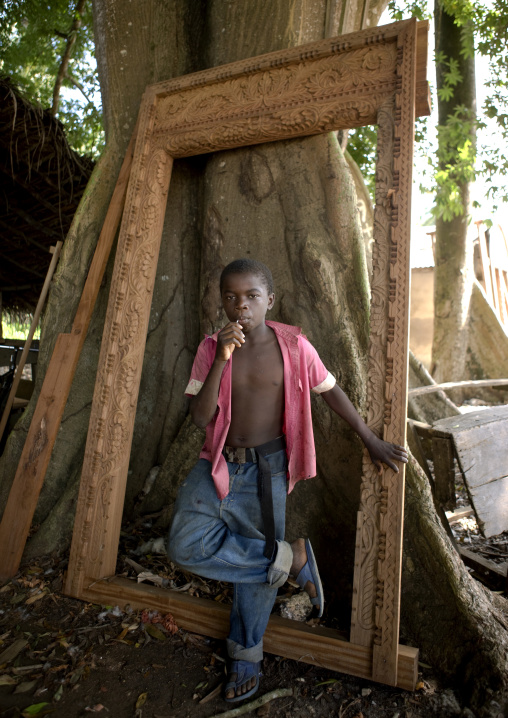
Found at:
(366, 77)
(365, 581)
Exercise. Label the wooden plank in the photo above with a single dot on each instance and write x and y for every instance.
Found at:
(484, 254)
(318, 646)
(481, 445)
(491, 505)
(462, 422)
(35, 457)
(33, 327)
(493, 574)
(104, 244)
(428, 432)
(423, 104)
(48, 412)
(454, 516)
(444, 485)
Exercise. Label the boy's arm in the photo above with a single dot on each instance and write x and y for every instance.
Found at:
(204, 405)
(380, 451)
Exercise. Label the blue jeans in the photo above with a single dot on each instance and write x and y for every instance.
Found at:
(224, 540)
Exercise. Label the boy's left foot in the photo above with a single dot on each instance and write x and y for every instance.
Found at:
(305, 571)
(243, 680)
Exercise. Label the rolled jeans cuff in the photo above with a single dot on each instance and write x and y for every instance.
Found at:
(279, 570)
(239, 653)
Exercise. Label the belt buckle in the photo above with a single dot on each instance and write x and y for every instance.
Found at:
(235, 454)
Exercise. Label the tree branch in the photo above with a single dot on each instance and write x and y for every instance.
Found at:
(253, 705)
(62, 70)
(78, 85)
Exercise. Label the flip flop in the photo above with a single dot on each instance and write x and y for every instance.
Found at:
(244, 671)
(310, 573)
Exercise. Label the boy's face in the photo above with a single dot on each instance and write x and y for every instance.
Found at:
(245, 298)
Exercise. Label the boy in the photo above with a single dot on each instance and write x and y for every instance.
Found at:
(250, 386)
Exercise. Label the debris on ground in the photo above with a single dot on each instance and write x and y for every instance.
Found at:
(68, 658)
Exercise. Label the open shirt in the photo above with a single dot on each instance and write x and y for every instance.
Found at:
(303, 372)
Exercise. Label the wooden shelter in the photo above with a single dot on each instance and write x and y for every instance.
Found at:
(41, 183)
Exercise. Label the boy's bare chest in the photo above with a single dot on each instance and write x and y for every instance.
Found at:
(258, 367)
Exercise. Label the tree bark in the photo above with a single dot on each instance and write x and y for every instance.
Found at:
(454, 271)
(291, 204)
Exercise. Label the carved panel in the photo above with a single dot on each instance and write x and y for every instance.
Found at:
(95, 540)
(366, 591)
(391, 512)
(375, 615)
(298, 99)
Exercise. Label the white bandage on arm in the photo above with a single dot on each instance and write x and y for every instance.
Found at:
(193, 387)
(325, 385)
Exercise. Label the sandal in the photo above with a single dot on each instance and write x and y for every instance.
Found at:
(245, 670)
(310, 573)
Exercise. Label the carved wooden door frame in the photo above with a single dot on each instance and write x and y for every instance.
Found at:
(368, 77)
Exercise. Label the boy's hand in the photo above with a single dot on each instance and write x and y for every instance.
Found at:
(381, 452)
(229, 337)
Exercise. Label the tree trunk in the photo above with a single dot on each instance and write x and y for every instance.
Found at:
(454, 272)
(291, 204)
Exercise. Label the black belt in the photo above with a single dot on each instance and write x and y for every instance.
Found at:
(241, 455)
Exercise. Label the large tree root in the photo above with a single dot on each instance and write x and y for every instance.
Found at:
(458, 624)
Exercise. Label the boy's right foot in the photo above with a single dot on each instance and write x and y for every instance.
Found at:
(303, 558)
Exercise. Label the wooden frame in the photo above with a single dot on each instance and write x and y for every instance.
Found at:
(368, 77)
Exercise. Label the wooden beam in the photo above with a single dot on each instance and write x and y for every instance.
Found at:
(51, 403)
(423, 106)
(447, 386)
(485, 260)
(454, 516)
(318, 646)
(33, 327)
(493, 574)
(443, 456)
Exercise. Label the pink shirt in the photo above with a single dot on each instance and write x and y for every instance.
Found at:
(303, 372)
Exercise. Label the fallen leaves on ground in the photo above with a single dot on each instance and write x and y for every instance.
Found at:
(152, 617)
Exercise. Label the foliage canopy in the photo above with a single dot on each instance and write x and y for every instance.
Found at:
(457, 159)
(33, 38)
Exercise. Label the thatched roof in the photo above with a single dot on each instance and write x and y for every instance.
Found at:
(41, 182)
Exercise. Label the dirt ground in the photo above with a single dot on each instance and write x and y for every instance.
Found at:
(67, 658)
(70, 659)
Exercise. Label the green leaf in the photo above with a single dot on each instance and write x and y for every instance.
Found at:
(34, 709)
